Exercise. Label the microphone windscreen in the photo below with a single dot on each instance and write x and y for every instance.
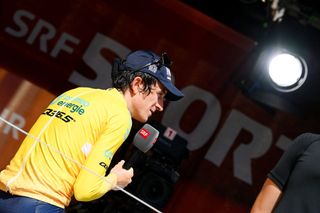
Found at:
(145, 138)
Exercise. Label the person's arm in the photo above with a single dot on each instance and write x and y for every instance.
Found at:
(267, 198)
(91, 182)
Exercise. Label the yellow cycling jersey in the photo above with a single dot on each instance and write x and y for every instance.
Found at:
(70, 147)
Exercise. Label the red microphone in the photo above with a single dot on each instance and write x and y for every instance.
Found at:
(143, 140)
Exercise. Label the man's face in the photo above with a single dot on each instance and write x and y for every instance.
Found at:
(145, 104)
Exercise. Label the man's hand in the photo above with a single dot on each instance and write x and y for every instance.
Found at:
(123, 175)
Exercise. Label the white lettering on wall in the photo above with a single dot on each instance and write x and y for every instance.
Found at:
(244, 153)
(43, 30)
(93, 58)
(13, 118)
(62, 44)
(208, 122)
(23, 27)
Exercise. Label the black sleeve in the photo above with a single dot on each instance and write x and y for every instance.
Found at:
(281, 172)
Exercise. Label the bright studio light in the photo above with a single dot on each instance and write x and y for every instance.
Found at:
(287, 72)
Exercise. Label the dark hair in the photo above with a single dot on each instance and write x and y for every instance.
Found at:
(122, 79)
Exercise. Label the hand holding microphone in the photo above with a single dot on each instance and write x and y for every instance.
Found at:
(124, 176)
(144, 139)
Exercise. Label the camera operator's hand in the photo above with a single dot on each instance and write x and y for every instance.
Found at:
(123, 175)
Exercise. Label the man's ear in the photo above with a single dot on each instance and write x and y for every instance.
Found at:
(136, 85)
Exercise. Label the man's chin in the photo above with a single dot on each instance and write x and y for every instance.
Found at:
(142, 120)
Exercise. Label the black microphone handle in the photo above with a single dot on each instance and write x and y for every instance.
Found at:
(134, 158)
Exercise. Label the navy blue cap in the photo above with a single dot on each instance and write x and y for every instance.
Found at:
(149, 62)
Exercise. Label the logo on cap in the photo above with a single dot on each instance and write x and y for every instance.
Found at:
(153, 68)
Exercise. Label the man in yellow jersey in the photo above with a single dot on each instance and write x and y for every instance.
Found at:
(70, 146)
